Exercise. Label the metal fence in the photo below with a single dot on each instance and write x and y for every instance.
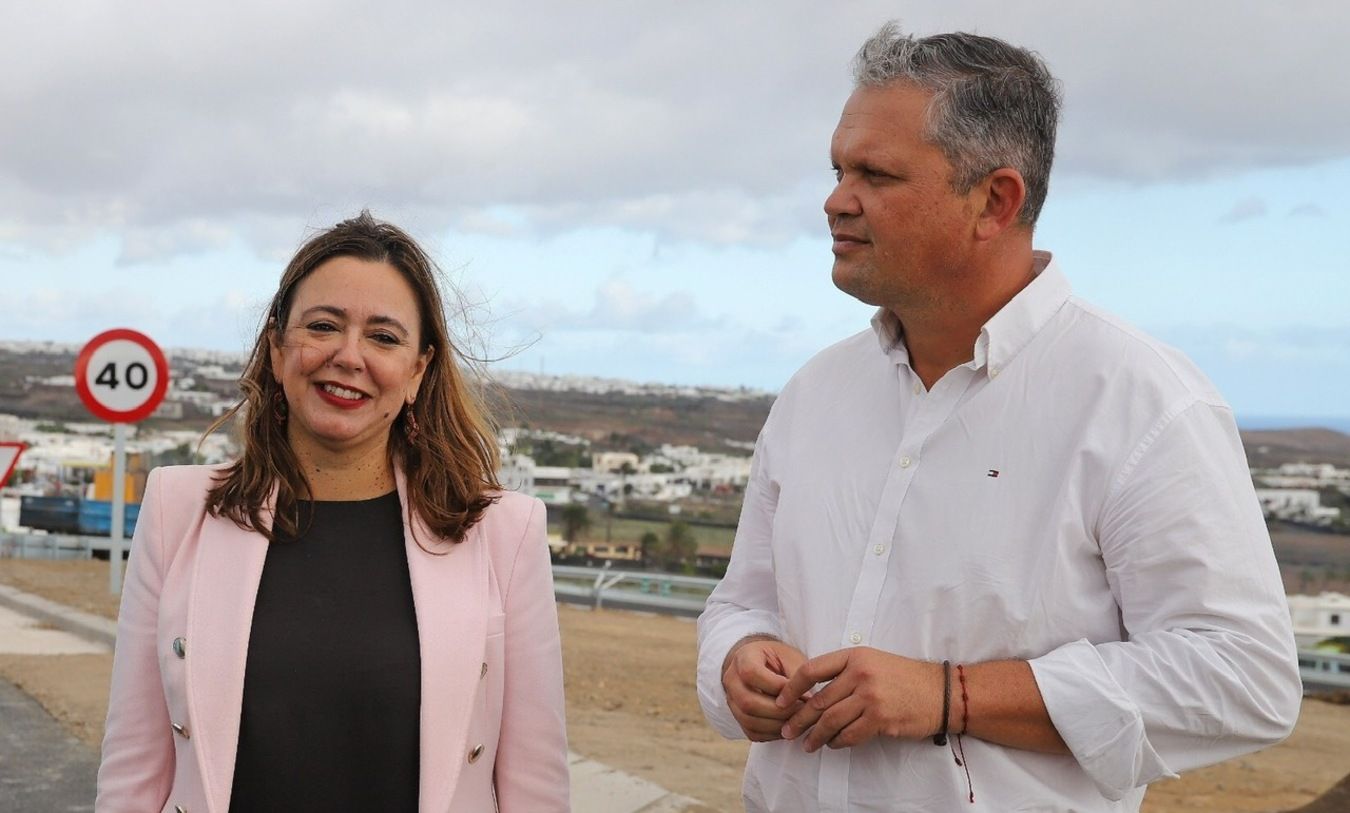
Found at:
(664, 593)
(25, 545)
(597, 587)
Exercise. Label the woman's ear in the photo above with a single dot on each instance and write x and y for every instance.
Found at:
(420, 370)
(274, 349)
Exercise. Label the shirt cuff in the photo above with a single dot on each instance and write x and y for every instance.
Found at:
(1097, 719)
(717, 639)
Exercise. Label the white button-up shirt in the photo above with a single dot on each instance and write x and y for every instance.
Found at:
(1075, 496)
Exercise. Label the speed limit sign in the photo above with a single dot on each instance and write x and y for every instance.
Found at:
(121, 375)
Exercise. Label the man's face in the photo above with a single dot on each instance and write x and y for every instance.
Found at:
(901, 235)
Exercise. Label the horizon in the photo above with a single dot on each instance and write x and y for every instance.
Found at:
(1246, 422)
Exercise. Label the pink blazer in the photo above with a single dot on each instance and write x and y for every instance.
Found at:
(492, 730)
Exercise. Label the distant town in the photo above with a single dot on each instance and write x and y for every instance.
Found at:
(637, 475)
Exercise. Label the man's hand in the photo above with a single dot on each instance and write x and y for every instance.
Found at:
(869, 692)
(753, 674)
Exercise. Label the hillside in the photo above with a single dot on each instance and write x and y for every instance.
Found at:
(621, 421)
(1268, 448)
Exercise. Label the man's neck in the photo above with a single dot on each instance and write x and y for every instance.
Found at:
(942, 336)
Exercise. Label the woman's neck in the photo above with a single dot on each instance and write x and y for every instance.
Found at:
(346, 474)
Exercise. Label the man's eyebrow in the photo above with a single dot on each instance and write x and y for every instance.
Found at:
(341, 313)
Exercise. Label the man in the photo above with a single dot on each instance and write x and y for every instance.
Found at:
(996, 476)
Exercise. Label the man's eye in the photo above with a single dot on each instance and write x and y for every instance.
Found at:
(838, 173)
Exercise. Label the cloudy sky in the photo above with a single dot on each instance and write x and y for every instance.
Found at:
(634, 189)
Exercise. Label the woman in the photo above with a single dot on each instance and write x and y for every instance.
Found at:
(352, 616)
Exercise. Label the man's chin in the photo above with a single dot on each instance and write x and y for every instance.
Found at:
(853, 281)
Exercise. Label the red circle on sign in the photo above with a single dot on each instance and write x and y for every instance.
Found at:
(100, 409)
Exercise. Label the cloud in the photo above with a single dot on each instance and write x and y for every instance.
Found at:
(1299, 345)
(617, 306)
(182, 127)
(1307, 210)
(1246, 209)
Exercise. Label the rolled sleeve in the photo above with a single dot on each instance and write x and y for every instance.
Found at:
(1097, 719)
(1207, 670)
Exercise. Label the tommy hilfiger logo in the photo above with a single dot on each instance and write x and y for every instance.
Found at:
(993, 472)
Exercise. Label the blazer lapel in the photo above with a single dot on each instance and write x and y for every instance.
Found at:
(229, 565)
(450, 592)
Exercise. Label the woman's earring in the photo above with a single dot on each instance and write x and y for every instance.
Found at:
(410, 423)
(279, 407)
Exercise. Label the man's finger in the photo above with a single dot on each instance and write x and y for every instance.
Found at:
(760, 705)
(835, 719)
(762, 679)
(817, 704)
(816, 670)
(854, 734)
(757, 729)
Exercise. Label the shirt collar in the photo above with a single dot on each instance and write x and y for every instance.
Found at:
(1007, 332)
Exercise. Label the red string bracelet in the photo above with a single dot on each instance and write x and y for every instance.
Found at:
(958, 748)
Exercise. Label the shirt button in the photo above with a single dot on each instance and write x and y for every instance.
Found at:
(904, 462)
(879, 549)
(856, 638)
(482, 673)
(181, 730)
(918, 388)
(180, 647)
(476, 753)
(993, 372)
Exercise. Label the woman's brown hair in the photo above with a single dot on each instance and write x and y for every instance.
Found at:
(451, 464)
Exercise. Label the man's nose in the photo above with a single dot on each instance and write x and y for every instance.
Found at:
(841, 201)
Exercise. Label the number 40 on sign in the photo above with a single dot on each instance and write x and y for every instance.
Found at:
(121, 376)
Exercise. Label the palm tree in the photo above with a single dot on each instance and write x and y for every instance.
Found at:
(650, 545)
(681, 547)
(575, 520)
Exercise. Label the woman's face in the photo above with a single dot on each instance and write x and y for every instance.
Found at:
(350, 357)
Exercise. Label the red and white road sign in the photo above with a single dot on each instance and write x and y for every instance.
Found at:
(9, 456)
(121, 375)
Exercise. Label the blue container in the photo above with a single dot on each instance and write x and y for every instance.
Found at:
(96, 517)
(59, 515)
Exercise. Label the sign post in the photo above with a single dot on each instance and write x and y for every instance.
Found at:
(9, 458)
(121, 376)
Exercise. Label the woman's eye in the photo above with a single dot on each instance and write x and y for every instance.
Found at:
(386, 338)
(321, 327)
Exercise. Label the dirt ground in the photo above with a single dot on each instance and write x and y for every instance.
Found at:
(631, 704)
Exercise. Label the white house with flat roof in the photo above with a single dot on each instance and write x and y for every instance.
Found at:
(1316, 618)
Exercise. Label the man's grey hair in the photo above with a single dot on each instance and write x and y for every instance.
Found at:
(994, 105)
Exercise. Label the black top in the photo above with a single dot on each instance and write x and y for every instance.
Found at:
(332, 687)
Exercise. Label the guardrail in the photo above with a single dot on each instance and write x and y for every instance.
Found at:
(25, 545)
(664, 593)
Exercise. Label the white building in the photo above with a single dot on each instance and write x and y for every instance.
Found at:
(517, 473)
(552, 484)
(613, 462)
(1316, 618)
(1298, 504)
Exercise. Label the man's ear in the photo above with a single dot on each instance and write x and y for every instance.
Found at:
(1000, 197)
